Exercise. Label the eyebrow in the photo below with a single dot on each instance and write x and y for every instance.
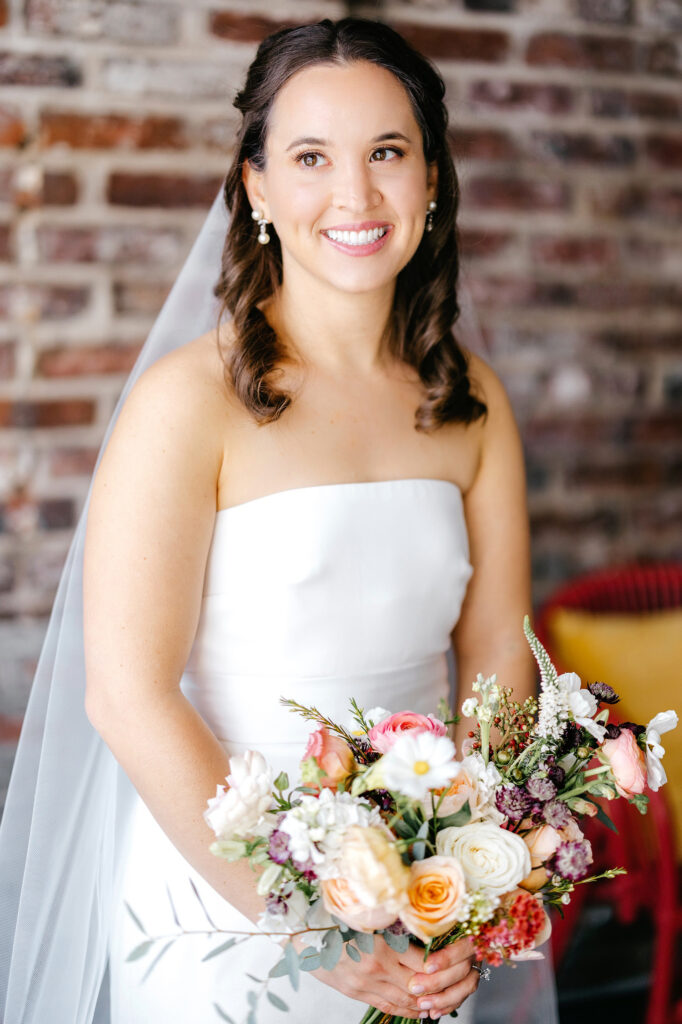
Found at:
(310, 141)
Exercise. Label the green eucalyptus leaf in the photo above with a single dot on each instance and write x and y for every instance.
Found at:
(293, 966)
(365, 942)
(219, 949)
(353, 953)
(277, 1002)
(135, 918)
(140, 950)
(397, 942)
(156, 959)
(279, 969)
(221, 1013)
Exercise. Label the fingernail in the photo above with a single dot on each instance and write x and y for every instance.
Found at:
(430, 969)
(416, 990)
(425, 1005)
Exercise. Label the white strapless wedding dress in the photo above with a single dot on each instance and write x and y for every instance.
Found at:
(319, 593)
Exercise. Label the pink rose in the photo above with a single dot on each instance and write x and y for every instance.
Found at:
(331, 755)
(542, 842)
(627, 762)
(383, 736)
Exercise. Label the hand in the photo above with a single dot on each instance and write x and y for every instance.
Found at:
(387, 980)
(445, 980)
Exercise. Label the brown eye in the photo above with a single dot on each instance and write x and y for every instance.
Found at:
(385, 150)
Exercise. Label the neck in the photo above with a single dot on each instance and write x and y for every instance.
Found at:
(330, 330)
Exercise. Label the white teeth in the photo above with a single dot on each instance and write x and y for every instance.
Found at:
(357, 237)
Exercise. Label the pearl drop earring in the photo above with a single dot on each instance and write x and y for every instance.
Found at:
(263, 236)
(429, 215)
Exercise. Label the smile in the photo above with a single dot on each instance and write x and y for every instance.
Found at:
(361, 242)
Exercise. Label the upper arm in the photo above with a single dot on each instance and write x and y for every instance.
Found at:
(149, 527)
(498, 596)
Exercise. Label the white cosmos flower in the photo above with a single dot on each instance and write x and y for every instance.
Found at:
(664, 721)
(581, 704)
(236, 811)
(417, 762)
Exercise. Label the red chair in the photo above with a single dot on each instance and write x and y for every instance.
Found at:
(644, 845)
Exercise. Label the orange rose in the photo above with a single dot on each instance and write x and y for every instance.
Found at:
(436, 897)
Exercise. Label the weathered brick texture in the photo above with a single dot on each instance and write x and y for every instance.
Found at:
(116, 128)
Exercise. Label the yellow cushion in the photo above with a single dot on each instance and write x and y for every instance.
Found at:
(640, 656)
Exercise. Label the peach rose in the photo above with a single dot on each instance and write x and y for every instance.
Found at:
(627, 763)
(436, 897)
(383, 736)
(373, 883)
(331, 755)
(542, 843)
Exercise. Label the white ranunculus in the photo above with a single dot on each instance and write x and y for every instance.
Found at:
(662, 722)
(285, 917)
(581, 704)
(491, 857)
(236, 811)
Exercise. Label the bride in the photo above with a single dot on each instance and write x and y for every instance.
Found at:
(314, 499)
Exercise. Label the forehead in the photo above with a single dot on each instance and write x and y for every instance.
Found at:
(334, 100)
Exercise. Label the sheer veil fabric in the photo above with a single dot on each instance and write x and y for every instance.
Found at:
(64, 830)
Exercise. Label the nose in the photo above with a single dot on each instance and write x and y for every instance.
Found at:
(354, 188)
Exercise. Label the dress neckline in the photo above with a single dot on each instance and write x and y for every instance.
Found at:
(347, 484)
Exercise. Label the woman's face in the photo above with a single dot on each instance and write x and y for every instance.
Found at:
(345, 184)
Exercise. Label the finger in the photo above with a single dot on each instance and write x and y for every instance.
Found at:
(450, 998)
(395, 1001)
(426, 984)
(413, 957)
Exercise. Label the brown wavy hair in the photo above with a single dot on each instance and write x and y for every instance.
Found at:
(425, 304)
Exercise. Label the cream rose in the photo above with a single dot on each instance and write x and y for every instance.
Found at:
(375, 880)
(490, 856)
(435, 897)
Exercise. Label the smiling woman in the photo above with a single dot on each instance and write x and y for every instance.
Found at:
(344, 133)
(316, 500)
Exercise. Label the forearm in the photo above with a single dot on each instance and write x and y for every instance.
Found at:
(513, 664)
(175, 762)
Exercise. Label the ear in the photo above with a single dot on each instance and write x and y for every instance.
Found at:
(253, 184)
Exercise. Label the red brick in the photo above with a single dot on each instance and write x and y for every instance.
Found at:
(624, 473)
(617, 12)
(112, 131)
(38, 69)
(609, 150)
(482, 144)
(595, 53)
(81, 360)
(56, 514)
(563, 249)
(479, 243)
(651, 105)
(58, 413)
(647, 341)
(72, 461)
(3, 12)
(136, 24)
(658, 427)
(140, 297)
(245, 28)
(491, 193)
(166, 190)
(60, 188)
(497, 94)
(457, 44)
(9, 727)
(5, 243)
(7, 359)
(110, 245)
(499, 292)
(47, 302)
(571, 525)
(662, 57)
(665, 150)
(660, 203)
(586, 429)
(12, 127)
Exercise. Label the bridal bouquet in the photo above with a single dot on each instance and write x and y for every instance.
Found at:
(388, 833)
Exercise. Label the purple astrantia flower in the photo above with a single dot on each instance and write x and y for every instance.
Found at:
(604, 693)
(541, 788)
(556, 813)
(554, 772)
(572, 860)
(513, 801)
(278, 847)
(397, 928)
(276, 904)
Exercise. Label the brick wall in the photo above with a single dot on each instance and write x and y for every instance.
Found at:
(115, 130)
